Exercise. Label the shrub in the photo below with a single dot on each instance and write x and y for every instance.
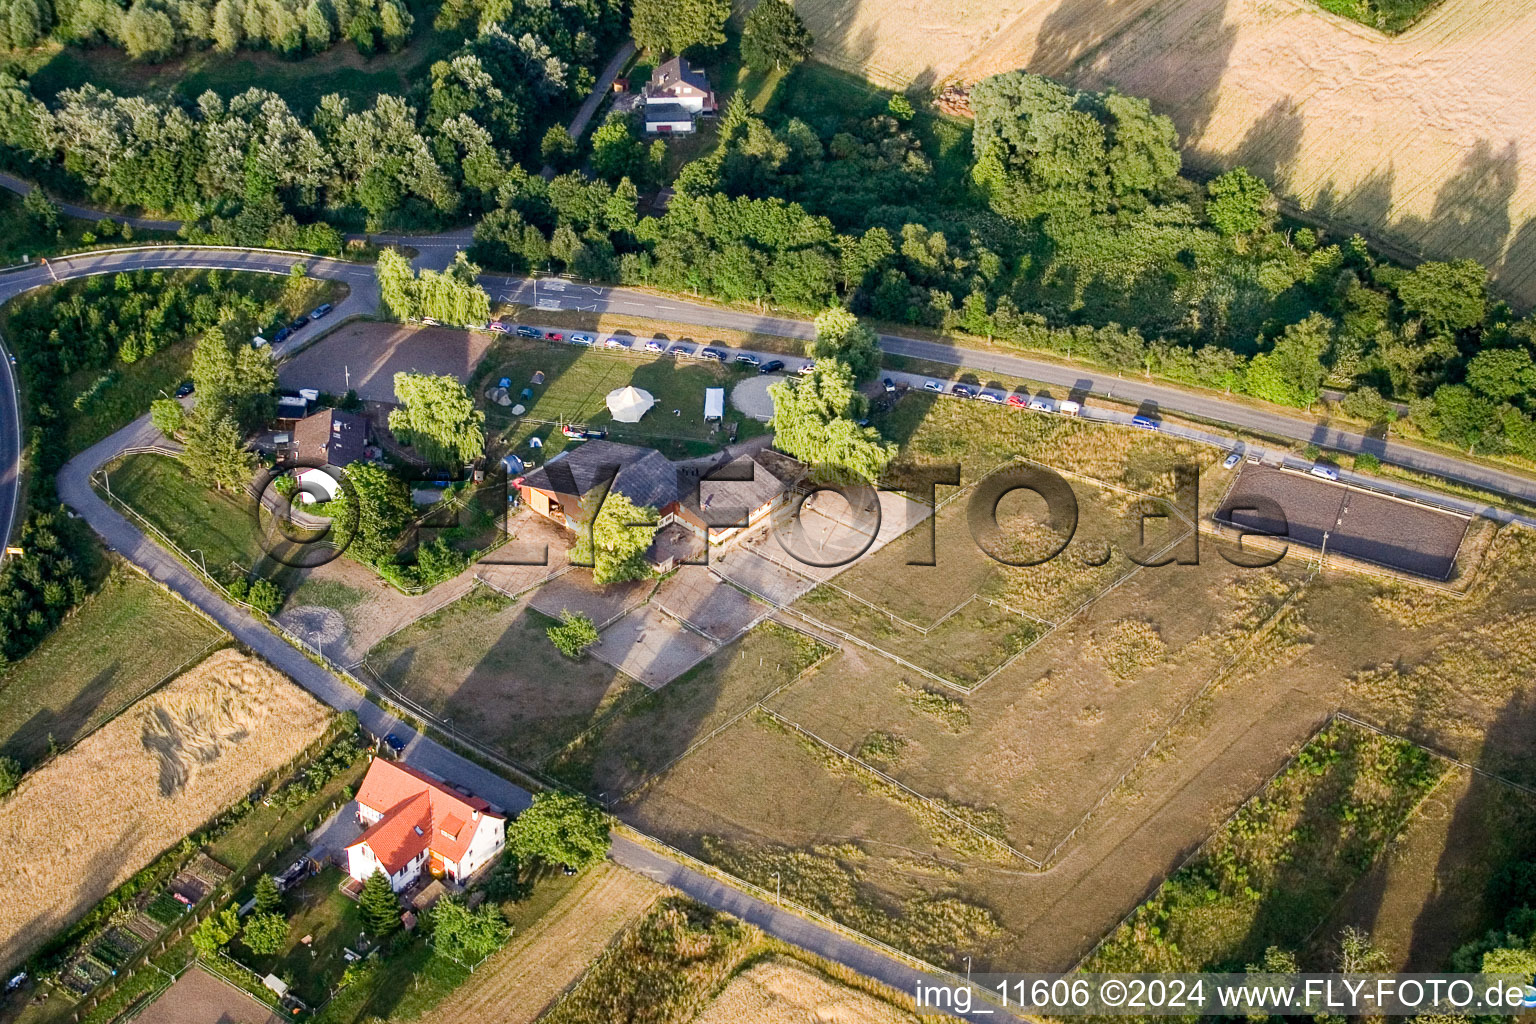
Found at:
(573, 634)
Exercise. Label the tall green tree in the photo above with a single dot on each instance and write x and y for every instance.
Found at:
(384, 508)
(814, 419)
(216, 931)
(379, 906)
(465, 935)
(560, 828)
(841, 336)
(573, 634)
(269, 899)
(167, 415)
(265, 933)
(620, 535)
(215, 453)
(1292, 372)
(1447, 297)
(774, 37)
(1503, 373)
(673, 26)
(1239, 203)
(438, 418)
(397, 285)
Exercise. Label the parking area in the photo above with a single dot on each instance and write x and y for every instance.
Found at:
(1373, 528)
(365, 356)
(651, 646)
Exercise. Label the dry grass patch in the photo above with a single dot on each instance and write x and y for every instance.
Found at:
(781, 991)
(1129, 646)
(140, 783)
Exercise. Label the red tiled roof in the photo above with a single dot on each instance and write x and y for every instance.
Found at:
(409, 799)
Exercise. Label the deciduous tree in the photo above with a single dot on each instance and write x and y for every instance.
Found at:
(438, 418)
(465, 935)
(560, 828)
(775, 37)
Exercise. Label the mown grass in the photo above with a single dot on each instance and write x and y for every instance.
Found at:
(125, 638)
(1273, 873)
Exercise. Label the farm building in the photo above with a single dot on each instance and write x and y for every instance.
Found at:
(416, 822)
(676, 94)
(333, 439)
(705, 500)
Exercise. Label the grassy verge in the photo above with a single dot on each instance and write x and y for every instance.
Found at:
(1274, 872)
(1389, 16)
(125, 638)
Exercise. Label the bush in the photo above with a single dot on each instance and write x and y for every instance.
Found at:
(1365, 462)
(573, 634)
(264, 596)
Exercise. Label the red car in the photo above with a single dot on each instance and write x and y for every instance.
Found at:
(554, 336)
(1017, 402)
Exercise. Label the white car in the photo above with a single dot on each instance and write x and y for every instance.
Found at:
(1230, 461)
(1325, 471)
(991, 396)
(933, 385)
(616, 343)
(583, 339)
(807, 368)
(655, 346)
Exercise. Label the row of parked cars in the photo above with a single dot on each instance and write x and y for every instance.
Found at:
(299, 323)
(654, 345)
(1039, 403)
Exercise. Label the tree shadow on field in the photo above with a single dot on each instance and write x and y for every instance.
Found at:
(1272, 144)
(1093, 44)
(48, 726)
(1485, 846)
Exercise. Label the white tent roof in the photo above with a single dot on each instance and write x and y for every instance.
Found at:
(714, 403)
(628, 404)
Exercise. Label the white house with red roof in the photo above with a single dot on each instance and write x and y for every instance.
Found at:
(416, 823)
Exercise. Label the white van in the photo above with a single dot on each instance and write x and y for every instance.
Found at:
(1325, 471)
(1070, 408)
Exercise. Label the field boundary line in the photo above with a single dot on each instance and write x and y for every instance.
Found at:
(883, 777)
(646, 782)
(1157, 741)
(1296, 748)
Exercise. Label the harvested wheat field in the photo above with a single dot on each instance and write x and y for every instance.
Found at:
(781, 991)
(1426, 140)
(139, 783)
(541, 961)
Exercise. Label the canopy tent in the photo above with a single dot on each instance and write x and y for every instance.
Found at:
(628, 404)
(714, 403)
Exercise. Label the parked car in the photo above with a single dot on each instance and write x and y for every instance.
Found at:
(185, 389)
(771, 366)
(394, 743)
(808, 367)
(1042, 404)
(299, 323)
(962, 390)
(1016, 402)
(890, 385)
(528, 332)
(616, 343)
(1146, 422)
(321, 310)
(1324, 471)
(282, 335)
(655, 346)
(553, 336)
(991, 396)
(712, 353)
(1230, 461)
(585, 340)
(428, 321)
(748, 359)
(499, 327)
(681, 351)
(1070, 408)
(934, 386)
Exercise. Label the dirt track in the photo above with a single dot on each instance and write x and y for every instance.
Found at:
(1424, 139)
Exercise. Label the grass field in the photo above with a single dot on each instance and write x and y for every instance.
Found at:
(558, 932)
(782, 991)
(486, 663)
(577, 382)
(215, 529)
(143, 781)
(1273, 874)
(643, 736)
(1390, 16)
(125, 638)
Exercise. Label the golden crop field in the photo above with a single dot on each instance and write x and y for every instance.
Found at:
(781, 991)
(1426, 140)
(83, 823)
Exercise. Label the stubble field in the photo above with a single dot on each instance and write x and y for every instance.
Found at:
(140, 783)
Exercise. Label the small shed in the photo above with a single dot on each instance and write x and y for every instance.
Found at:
(714, 403)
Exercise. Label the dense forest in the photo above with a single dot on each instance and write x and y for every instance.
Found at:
(253, 170)
(1071, 229)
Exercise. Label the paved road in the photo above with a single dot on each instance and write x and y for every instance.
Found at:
(600, 89)
(21, 187)
(123, 536)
